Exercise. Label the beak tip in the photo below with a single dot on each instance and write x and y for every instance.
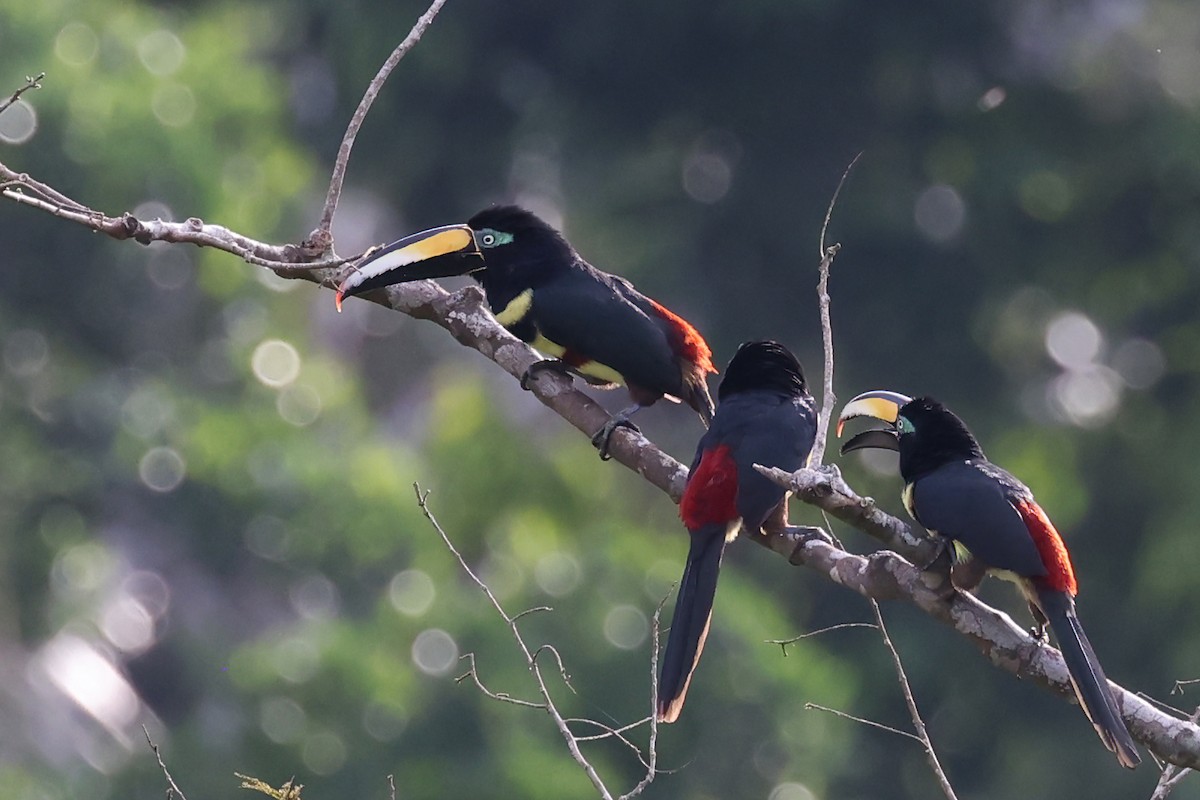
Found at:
(337, 300)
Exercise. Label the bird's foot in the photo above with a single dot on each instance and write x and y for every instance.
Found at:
(1041, 626)
(937, 572)
(546, 364)
(601, 440)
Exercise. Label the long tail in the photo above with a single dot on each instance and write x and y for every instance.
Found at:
(1087, 677)
(689, 626)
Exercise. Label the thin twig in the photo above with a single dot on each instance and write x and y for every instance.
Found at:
(612, 733)
(562, 670)
(1165, 706)
(503, 697)
(1178, 688)
(530, 659)
(34, 82)
(828, 398)
(651, 763)
(343, 157)
(173, 789)
(911, 702)
(286, 260)
(783, 643)
(391, 787)
(868, 722)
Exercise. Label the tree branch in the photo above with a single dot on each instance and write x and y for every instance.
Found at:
(827, 254)
(287, 259)
(173, 789)
(321, 239)
(31, 82)
(531, 661)
(1172, 774)
(918, 722)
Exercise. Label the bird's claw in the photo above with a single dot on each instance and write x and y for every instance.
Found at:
(604, 435)
(936, 573)
(550, 364)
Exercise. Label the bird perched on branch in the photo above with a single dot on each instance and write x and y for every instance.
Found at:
(594, 324)
(990, 519)
(766, 416)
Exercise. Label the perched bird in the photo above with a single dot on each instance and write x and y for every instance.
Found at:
(766, 416)
(594, 324)
(990, 518)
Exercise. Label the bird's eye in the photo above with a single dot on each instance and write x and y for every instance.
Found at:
(490, 237)
(904, 426)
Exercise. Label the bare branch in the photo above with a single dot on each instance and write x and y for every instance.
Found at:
(1172, 774)
(530, 657)
(1179, 685)
(783, 643)
(391, 787)
(1178, 712)
(34, 82)
(562, 670)
(827, 254)
(173, 789)
(868, 722)
(547, 704)
(884, 575)
(911, 702)
(503, 697)
(288, 260)
(321, 236)
(651, 762)
(825, 488)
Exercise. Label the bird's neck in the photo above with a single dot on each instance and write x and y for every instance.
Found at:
(918, 461)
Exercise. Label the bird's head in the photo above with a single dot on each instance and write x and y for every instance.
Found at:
(924, 432)
(503, 241)
(763, 365)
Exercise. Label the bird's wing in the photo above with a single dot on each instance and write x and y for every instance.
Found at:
(591, 315)
(770, 429)
(966, 502)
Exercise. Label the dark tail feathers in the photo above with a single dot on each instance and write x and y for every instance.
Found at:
(1087, 676)
(689, 625)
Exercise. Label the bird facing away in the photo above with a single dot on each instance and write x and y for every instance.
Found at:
(991, 519)
(593, 324)
(766, 416)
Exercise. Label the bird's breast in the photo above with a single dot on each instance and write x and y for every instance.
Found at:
(516, 309)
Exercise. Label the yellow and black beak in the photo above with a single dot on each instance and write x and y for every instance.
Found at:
(435, 253)
(879, 404)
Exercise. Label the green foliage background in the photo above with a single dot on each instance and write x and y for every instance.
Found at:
(1020, 240)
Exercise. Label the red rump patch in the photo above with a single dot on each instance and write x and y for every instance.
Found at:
(711, 493)
(692, 344)
(1059, 574)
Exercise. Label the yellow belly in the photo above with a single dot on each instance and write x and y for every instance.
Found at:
(516, 310)
(591, 368)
